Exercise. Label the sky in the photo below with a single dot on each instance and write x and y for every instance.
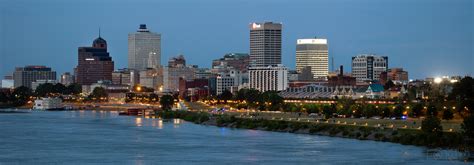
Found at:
(427, 38)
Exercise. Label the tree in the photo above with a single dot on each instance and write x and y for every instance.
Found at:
(386, 111)
(99, 94)
(447, 114)
(226, 95)
(311, 108)
(59, 88)
(398, 111)
(252, 97)
(432, 111)
(153, 97)
(468, 127)
(44, 90)
(327, 111)
(356, 110)
(72, 89)
(389, 84)
(166, 102)
(272, 100)
(431, 127)
(463, 89)
(417, 110)
(21, 95)
(3, 97)
(369, 110)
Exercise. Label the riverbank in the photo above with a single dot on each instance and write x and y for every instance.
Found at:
(448, 140)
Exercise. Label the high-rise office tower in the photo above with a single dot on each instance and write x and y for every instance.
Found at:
(265, 44)
(144, 49)
(368, 67)
(94, 63)
(25, 76)
(313, 53)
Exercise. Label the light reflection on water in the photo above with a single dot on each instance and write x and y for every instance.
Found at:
(82, 137)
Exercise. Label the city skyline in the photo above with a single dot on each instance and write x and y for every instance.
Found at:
(445, 44)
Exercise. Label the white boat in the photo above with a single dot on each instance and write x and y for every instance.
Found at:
(48, 104)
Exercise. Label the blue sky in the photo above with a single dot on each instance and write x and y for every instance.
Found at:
(426, 37)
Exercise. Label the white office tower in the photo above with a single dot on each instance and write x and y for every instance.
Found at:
(313, 53)
(271, 78)
(144, 49)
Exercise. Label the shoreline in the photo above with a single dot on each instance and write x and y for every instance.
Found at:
(449, 140)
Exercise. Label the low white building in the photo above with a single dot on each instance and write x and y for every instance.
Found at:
(48, 104)
(230, 81)
(7, 83)
(270, 78)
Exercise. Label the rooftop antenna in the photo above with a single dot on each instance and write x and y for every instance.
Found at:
(332, 64)
(99, 32)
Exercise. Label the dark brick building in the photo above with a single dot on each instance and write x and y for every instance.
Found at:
(94, 63)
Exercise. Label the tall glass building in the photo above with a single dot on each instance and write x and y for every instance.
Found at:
(144, 49)
(265, 44)
(313, 53)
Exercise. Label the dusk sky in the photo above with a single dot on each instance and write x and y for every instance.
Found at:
(426, 37)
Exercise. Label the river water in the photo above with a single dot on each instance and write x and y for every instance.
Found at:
(103, 137)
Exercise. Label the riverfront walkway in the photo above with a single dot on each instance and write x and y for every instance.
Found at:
(410, 123)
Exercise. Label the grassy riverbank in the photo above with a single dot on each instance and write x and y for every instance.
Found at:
(452, 140)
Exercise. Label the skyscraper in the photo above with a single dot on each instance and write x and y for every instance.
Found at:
(265, 44)
(24, 76)
(368, 67)
(313, 53)
(144, 49)
(94, 63)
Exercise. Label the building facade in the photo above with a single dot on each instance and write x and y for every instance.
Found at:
(368, 67)
(230, 81)
(152, 78)
(144, 49)
(397, 75)
(94, 63)
(313, 53)
(175, 70)
(25, 76)
(239, 61)
(66, 78)
(265, 44)
(268, 78)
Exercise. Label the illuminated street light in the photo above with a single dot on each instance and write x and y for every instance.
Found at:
(438, 80)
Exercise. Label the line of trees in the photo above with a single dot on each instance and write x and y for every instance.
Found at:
(18, 97)
(22, 95)
(253, 99)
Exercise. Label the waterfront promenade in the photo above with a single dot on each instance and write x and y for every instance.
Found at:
(409, 123)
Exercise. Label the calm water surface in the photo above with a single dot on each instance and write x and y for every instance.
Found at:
(101, 137)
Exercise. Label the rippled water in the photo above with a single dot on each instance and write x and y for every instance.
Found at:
(101, 137)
